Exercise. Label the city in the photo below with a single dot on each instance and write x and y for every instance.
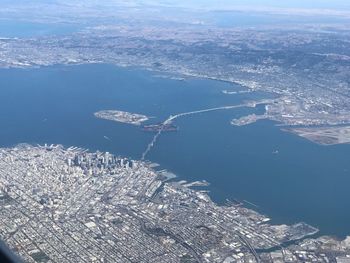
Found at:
(71, 205)
(188, 131)
(308, 80)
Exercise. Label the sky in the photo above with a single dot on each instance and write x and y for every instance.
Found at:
(330, 9)
(309, 4)
(316, 4)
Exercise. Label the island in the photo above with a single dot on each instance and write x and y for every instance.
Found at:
(121, 116)
(249, 119)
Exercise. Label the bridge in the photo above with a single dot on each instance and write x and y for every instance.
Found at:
(173, 117)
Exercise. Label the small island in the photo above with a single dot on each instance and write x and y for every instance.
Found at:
(249, 119)
(121, 116)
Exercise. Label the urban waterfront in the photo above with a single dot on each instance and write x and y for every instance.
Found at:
(302, 182)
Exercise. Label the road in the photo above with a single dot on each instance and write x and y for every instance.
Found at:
(173, 117)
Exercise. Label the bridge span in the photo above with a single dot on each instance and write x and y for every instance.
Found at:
(173, 117)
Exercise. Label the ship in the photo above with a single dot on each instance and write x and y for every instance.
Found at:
(160, 127)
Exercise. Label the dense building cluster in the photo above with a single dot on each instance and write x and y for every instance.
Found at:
(308, 78)
(70, 205)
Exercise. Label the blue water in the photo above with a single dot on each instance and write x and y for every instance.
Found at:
(14, 28)
(253, 19)
(304, 182)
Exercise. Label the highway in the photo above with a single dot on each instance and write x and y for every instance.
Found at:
(251, 248)
(173, 117)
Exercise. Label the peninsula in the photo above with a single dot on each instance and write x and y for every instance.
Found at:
(70, 205)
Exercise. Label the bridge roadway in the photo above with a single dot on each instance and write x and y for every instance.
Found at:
(173, 117)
